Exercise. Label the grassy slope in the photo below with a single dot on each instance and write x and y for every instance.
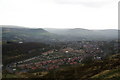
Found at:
(16, 52)
(100, 70)
(108, 69)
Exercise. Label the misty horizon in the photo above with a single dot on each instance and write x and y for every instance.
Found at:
(17, 26)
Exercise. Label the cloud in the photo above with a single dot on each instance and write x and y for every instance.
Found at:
(90, 3)
(51, 13)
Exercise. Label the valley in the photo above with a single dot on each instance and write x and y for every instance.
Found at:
(44, 53)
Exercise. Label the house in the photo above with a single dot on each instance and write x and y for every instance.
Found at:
(20, 42)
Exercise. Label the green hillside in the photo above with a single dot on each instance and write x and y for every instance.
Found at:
(108, 69)
(26, 35)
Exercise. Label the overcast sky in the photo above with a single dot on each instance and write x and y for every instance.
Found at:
(88, 14)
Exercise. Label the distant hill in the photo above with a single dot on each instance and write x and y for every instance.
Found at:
(26, 35)
(11, 26)
(79, 33)
(17, 33)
